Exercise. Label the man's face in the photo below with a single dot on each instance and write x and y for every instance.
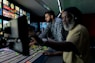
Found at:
(68, 21)
(48, 17)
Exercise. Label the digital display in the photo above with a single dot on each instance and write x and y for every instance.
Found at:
(6, 2)
(28, 16)
(28, 21)
(12, 6)
(6, 7)
(35, 24)
(12, 15)
(17, 9)
(0, 26)
(24, 12)
(6, 23)
(0, 9)
(5, 13)
(0, 0)
(43, 25)
(21, 12)
(0, 5)
(0, 23)
(0, 20)
(8, 14)
(16, 16)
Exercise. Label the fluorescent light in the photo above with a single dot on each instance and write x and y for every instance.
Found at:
(46, 7)
(59, 15)
(43, 4)
(59, 5)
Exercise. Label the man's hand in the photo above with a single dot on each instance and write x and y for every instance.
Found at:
(36, 40)
(33, 41)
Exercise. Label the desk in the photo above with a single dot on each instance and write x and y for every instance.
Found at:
(10, 56)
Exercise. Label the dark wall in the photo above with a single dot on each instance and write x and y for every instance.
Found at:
(89, 22)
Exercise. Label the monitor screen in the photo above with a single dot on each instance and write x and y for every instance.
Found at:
(8, 14)
(19, 29)
(24, 12)
(0, 0)
(17, 9)
(28, 17)
(6, 23)
(0, 11)
(21, 12)
(35, 24)
(0, 8)
(0, 23)
(12, 6)
(6, 2)
(16, 16)
(43, 26)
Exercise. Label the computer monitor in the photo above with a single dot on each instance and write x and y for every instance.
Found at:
(43, 26)
(6, 24)
(34, 24)
(19, 29)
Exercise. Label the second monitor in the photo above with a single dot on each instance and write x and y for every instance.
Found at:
(19, 29)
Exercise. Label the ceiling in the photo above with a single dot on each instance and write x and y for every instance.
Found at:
(39, 7)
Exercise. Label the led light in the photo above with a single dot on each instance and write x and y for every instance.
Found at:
(46, 7)
(59, 5)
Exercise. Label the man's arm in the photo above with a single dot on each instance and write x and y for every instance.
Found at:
(60, 46)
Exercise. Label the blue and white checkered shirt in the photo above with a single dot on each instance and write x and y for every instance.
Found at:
(54, 31)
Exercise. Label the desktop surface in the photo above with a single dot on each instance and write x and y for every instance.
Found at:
(9, 56)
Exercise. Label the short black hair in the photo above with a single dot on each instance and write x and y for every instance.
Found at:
(50, 12)
(76, 12)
